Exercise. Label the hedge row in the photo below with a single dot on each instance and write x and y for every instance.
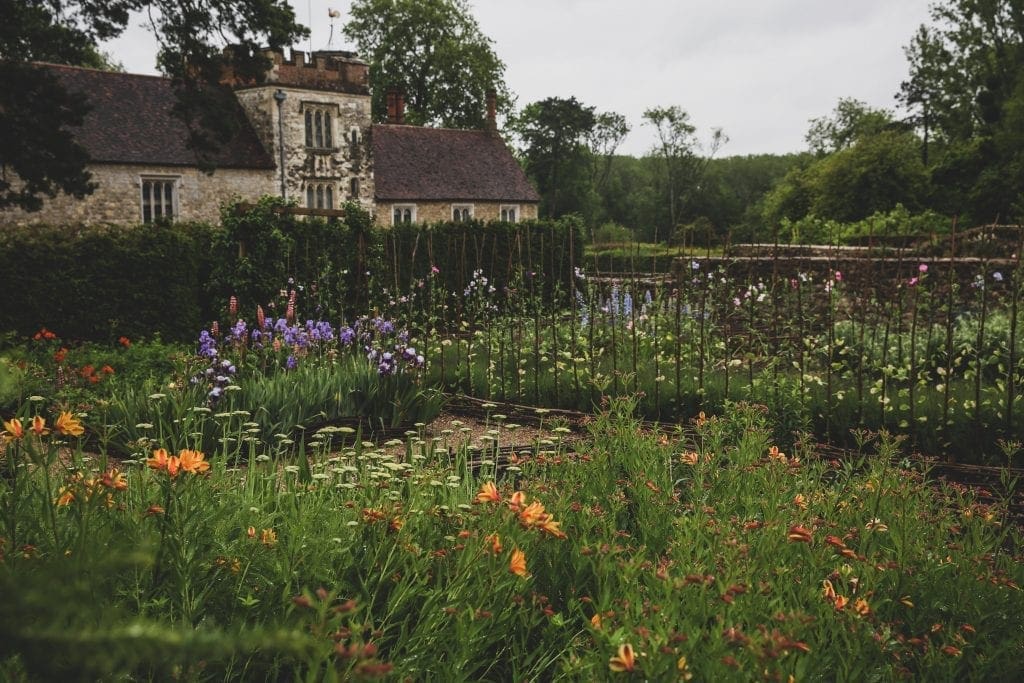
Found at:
(98, 283)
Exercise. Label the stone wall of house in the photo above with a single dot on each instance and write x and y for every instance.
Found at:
(118, 197)
(333, 83)
(437, 212)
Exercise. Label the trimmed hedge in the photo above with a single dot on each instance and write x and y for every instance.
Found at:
(97, 283)
(100, 282)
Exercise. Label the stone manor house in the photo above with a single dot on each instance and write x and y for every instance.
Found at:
(304, 134)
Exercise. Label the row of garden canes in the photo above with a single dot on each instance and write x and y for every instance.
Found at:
(933, 353)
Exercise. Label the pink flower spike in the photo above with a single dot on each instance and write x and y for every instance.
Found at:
(923, 268)
(839, 276)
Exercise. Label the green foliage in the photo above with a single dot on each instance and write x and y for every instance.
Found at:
(432, 51)
(534, 252)
(553, 136)
(682, 158)
(871, 172)
(611, 233)
(262, 250)
(136, 281)
(965, 91)
(851, 120)
(365, 562)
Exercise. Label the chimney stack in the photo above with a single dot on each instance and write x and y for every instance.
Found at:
(396, 105)
(492, 111)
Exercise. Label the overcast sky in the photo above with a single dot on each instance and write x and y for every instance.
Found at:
(758, 69)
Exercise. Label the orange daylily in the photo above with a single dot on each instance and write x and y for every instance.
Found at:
(69, 425)
(39, 426)
(625, 660)
(799, 501)
(799, 534)
(775, 454)
(495, 541)
(114, 479)
(66, 497)
(13, 429)
(193, 461)
(533, 514)
(488, 494)
(517, 501)
(690, 458)
(861, 607)
(159, 459)
(517, 563)
(552, 527)
(840, 602)
(828, 591)
(268, 537)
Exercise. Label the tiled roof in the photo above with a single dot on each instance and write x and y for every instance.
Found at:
(442, 164)
(131, 122)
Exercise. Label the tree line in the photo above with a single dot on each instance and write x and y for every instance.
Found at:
(953, 148)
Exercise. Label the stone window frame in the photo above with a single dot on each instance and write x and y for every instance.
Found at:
(406, 213)
(353, 188)
(462, 213)
(330, 116)
(167, 183)
(319, 194)
(505, 209)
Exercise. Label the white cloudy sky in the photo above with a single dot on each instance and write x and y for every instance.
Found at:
(759, 69)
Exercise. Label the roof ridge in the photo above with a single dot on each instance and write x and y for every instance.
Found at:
(51, 65)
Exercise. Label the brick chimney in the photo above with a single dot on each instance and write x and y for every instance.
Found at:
(396, 106)
(492, 111)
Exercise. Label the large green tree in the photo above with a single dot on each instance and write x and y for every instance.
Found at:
(682, 156)
(865, 162)
(433, 52)
(965, 87)
(38, 155)
(552, 135)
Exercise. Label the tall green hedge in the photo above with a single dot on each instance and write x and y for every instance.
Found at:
(542, 251)
(98, 283)
(101, 282)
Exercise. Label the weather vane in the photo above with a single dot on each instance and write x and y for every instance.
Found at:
(333, 14)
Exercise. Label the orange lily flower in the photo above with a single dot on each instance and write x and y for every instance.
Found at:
(488, 494)
(39, 426)
(495, 541)
(690, 458)
(517, 501)
(533, 514)
(625, 660)
(861, 607)
(193, 461)
(841, 601)
(159, 459)
(173, 465)
(114, 479)
(800, 501)
(13, 429)
(775, 454)
(66, 497)
(828, 591)
(268, 537)
(799, 534)
(517, 564)
(69, 425)
(552, 527)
